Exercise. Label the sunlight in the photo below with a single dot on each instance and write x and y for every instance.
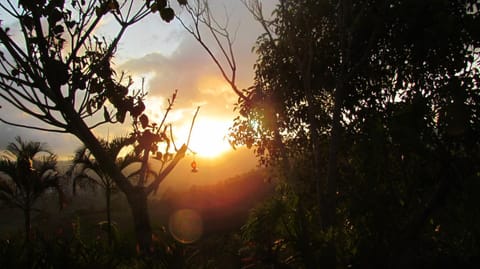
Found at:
(208, 137)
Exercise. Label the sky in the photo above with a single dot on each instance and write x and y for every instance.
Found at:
(168, 58)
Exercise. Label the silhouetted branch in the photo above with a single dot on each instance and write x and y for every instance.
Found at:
(201, 16)
(170, 105)
(256, 10)
(33, 127)
(153, 187)
(101, 123)
(191, 127)
(171, 137)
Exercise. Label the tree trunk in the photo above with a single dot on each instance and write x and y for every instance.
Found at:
(136, 196)
(26, 213)
(328, 212)
(109, 218)
(137, 199)
(330, 202)
(28, 236)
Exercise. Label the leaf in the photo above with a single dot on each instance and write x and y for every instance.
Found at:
(121, 115)
(99, 11)
(28, 4)
(5, 187)
(15, 72)
(154, 8)
(158, 156)
(58, 29)
(27, 21)
(167, 14)
(144, 121)
(89, 108)
(138, 109)
(161, 4)
(57, 72)
(106, 115)
(154, 148)
(232, 144)
(57, 3)
(113, 6)
(70, 24)
(54, 16)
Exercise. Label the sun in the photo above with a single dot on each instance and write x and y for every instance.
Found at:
(208, 138)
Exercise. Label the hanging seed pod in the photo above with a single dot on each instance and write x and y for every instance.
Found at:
(194, 166)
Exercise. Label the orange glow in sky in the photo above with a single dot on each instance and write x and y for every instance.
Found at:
(208, 137)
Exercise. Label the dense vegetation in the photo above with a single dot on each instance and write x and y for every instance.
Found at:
(366, 113)
(78, 236)
(370, 108)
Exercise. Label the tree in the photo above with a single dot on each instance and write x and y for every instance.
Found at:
(352, 89)
(378, 78)
(59, 72)
(86, 170)
(25, 177)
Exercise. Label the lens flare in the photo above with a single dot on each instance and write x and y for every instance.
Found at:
(186, 226)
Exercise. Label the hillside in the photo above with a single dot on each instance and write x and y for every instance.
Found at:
(222, 206)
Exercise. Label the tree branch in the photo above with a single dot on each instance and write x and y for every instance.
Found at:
(191, 126)
(33, 127)
(198, 17)
(153, 187)
(255, 8)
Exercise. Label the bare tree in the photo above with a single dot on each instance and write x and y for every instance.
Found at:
(201, 19)
(56, 70)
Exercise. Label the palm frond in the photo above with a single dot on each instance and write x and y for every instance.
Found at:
(83, 179)
(6, 190)
(7, 168)
(134, 173)
(48, 163)
(117, 144)
(128, 160)
(80, 152)
(26, 149)
(25, 176)
(10, 200)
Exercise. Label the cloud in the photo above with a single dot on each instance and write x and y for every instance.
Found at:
(190, 69)
(168, 58)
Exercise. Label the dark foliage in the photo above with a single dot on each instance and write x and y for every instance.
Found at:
(377, 102)
(60, 73)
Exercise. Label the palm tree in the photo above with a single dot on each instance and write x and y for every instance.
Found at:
(87, 171)
(25, 176)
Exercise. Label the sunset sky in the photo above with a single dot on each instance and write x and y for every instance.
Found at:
(168, 58)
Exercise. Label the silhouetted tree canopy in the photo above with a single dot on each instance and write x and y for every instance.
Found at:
(376, 102)
(58, 71)
(27, 171)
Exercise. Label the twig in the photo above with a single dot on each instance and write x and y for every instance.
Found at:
(191, 127)
(170, 105)
(171, 137)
